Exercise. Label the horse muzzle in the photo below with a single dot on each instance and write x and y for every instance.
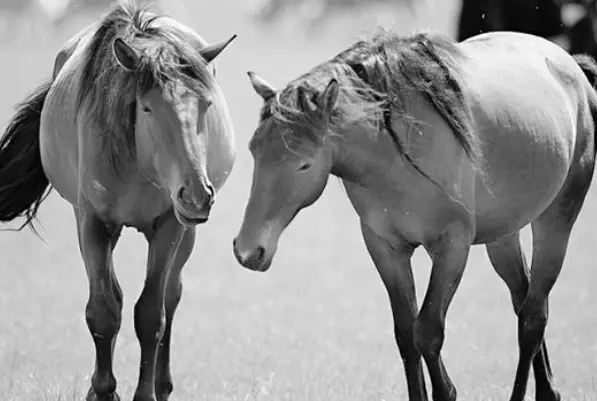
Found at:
(252, 258)
(191, 211)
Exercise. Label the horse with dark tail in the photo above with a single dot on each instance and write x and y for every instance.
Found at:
(23, 182)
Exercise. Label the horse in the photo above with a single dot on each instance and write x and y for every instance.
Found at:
(132, 130)
(443, 145)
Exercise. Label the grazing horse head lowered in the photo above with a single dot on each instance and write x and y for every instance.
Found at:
(441, 145)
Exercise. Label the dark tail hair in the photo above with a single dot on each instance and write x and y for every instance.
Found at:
(23, 183)
(588, 66)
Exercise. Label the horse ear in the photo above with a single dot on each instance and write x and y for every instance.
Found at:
(304, 102)
(209, 53)
(329, 97)
(262, 88)
(126, 56)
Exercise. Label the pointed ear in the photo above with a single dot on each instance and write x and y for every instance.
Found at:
(328, 99)
(262, 88)
(209, 53)
(126, 56)
(304, 102)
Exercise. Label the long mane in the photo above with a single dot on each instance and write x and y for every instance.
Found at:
(376, 76)
(107, 92)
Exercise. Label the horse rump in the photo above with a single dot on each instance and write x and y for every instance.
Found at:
(23, 182)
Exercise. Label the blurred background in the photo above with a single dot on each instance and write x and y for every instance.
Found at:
(317, 326)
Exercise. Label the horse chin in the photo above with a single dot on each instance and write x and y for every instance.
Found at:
(189, 221)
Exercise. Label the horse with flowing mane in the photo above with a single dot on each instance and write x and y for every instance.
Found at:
(132, 130)
(442, 145)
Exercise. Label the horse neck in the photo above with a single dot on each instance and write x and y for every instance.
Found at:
(359, 156)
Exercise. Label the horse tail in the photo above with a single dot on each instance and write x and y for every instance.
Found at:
(588, 65)
(23, 182)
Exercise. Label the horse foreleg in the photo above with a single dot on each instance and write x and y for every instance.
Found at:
(393, 264)
(104, 308)
(150, 315)
(510, 264)
(449, 254)
(163, 384)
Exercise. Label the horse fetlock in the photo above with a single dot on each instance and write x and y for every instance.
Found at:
(450, 395)
(103, 388)
(547, 394)
(163, 389)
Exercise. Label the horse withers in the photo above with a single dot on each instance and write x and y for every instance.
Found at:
(439, 144)
(132, 130)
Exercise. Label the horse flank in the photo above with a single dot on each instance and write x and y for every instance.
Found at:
(376, 76)
(107, 92)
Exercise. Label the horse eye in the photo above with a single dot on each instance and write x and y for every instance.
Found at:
(305, 167)
(146, 109)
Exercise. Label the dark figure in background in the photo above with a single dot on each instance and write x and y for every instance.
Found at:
(582, 34)
(538, 17)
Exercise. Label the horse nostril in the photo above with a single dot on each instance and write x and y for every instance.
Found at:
(209, 201)
(211, 190)
(183, 195)
(258, 255)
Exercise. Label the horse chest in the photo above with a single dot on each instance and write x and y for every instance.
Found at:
(133, 205)
(387, 216)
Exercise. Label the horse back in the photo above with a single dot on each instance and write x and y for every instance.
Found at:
(59, 134)
(531, 105)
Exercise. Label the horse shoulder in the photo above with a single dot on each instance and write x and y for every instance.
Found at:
(432, 144)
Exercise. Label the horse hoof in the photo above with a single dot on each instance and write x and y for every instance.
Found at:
(92, 396)
(548, 396)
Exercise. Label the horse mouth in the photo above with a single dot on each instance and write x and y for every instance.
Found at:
(187, 220)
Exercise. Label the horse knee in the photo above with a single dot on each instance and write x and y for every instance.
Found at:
(428, 337)
(103, 317)
(103, 384)
(173, 297)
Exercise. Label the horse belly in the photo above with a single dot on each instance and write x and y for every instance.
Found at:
(525, 166)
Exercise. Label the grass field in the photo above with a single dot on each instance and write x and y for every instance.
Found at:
(317, 326)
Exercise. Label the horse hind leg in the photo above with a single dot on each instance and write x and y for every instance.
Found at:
(551, 233)
(508, 259)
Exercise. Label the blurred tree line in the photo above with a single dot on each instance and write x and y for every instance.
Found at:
(571, 23)
(315, 11)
